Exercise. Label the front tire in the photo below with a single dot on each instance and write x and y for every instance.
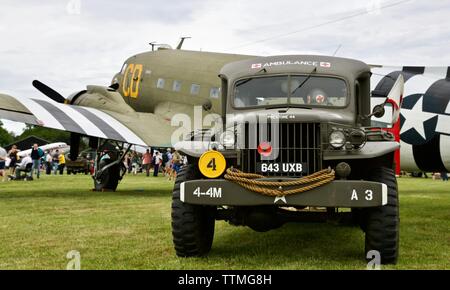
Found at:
(381, 224)
(192, 225)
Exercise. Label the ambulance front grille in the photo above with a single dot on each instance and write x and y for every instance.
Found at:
(298, 143)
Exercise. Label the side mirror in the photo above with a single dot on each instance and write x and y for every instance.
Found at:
(391, 104)
(378, 111)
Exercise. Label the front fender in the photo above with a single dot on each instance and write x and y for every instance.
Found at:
(370, 150)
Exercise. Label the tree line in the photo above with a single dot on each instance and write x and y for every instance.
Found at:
(51, 135)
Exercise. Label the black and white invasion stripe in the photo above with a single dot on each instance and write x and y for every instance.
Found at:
(83, 120)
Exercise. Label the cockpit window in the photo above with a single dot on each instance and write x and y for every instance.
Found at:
(122, 70)
(290, 90)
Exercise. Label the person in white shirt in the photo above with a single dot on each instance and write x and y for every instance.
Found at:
(2, 163)
(23, 165)
(157, 162)
(48, 163)
(167, 162)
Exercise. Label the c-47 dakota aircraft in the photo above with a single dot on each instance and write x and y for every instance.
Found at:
(337, 143)
(136, 109)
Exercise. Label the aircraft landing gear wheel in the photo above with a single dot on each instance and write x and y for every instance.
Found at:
(192, 225)
(108, 180)
(381, 224)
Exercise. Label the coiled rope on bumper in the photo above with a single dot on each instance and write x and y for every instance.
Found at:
(274, 188)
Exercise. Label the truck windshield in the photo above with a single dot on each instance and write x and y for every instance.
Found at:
(290, 90)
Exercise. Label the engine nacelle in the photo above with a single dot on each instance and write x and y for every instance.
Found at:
(101, 97)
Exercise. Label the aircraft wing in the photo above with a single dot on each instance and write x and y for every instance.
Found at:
(143, 129)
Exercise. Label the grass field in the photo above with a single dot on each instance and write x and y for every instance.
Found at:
(41, 220)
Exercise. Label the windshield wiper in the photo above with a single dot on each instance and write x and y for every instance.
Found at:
(287, 107)
(298, 87)
(304, 81)
(243, 82)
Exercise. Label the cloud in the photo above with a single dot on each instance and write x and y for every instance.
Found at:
(44, 40)
(175, 12)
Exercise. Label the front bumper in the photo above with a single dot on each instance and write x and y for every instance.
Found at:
(338, 193)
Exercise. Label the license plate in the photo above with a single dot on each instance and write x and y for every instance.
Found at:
(284, 167)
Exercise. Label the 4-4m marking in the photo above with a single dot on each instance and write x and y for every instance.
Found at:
(213, 192)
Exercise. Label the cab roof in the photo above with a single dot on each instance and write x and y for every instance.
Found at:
(295, 64)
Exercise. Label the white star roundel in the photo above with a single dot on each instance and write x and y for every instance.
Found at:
(415, 118)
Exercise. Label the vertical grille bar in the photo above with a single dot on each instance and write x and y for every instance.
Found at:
(307, 144)
(295, 141)
(313, 137)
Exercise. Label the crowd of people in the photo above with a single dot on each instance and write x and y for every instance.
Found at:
(12, 166)
(167, 163)
(434, 175)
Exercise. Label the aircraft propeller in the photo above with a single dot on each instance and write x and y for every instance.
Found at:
(49, 92)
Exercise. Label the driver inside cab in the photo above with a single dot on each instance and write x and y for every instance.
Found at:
(316, 97)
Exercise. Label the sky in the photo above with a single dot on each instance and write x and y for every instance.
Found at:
(69, 44)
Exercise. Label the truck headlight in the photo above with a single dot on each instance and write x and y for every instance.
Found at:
(227, 139)
(337, 139)
(357, 138)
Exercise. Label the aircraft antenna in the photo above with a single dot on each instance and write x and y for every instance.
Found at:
(182, 41)
(337, 49)
(153, 43)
